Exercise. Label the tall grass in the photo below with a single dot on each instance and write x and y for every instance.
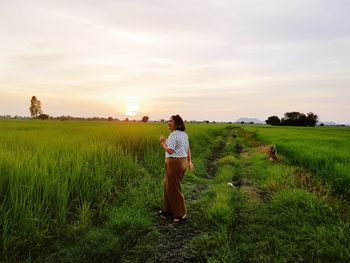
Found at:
(323, 150)
(53, 173)
(48, 170)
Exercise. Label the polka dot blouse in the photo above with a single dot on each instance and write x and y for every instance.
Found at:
(177, 141)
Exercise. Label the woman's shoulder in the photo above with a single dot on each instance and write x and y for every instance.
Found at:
(181, 134)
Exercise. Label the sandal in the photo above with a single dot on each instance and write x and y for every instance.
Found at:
(180, 219)
(164, 214)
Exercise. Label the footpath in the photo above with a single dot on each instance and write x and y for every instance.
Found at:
(175, 238)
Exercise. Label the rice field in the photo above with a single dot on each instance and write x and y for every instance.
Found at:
(263, 211)
(54, 173)
(58, 179)
(325, 151)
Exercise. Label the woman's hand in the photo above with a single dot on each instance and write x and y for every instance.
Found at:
(190, 166)
(162, 139)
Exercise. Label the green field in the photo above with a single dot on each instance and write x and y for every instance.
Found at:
(325, 151)
(86, 191)
(279, 211)
(54, 174)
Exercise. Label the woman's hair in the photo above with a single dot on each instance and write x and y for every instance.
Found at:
(179, 123)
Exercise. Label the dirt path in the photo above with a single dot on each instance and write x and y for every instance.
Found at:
(175, 238)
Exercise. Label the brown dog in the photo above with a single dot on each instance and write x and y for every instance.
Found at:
(273, 154)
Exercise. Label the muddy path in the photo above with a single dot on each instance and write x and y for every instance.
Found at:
(215, 155)
(174, 238)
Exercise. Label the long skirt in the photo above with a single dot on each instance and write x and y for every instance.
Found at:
(174, 201)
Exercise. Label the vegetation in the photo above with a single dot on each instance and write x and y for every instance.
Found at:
(35, 107)
(145, 119)
(273, 120)
(59, 180)
(322, 150)
(43, 116)
(274, 212)
(90, 191)
(294, 119)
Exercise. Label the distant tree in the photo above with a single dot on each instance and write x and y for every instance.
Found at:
(299, 119)
(35, 107)
(110, 119)
(273, 120)
(43, 116)
(126, 119)
(322, 124)
(302, 120)
(291, 118)
(311, 119)
(242, 122)
(145, 119)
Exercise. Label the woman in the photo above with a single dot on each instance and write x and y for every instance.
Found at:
(177, 159)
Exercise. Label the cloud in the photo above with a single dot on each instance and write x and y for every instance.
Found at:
(232, 55)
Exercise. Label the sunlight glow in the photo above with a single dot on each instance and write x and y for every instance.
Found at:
(132, 109)
(132, 106)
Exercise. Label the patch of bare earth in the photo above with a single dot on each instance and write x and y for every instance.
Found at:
(210, 165)
(252, 192)
(174, 239)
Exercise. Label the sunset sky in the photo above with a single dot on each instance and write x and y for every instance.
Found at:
(205, 60)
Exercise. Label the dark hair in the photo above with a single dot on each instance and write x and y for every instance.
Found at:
(179, 123)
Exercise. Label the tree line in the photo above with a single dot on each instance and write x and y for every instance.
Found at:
(37, 113)
(294, 118)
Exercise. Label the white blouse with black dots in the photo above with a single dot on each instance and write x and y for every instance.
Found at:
(177, 141)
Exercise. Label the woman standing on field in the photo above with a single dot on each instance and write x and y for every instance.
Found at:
(177, 159)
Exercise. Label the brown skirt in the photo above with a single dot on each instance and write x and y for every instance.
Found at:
(174, 201)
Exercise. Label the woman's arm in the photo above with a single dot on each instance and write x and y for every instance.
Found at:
(189, 159)
(165, 146)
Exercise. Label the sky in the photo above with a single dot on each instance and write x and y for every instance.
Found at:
(216, 60)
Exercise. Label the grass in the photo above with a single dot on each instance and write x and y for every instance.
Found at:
(87, 192)
(322, 150)
(65, 186)
(212, 212)
(275, 216)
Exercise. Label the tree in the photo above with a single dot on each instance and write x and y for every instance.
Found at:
(35, 107)
(145, 119)
(273, 120)
(43, 116)
(110, 119)
(311, 119)
(291, 118)
(302, 120)
(299, 119)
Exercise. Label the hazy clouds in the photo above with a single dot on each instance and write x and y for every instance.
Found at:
(217, 60)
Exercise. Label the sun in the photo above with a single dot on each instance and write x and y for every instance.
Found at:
(132, 109)
(132, 106)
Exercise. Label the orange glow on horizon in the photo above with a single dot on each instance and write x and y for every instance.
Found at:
(132, 106)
